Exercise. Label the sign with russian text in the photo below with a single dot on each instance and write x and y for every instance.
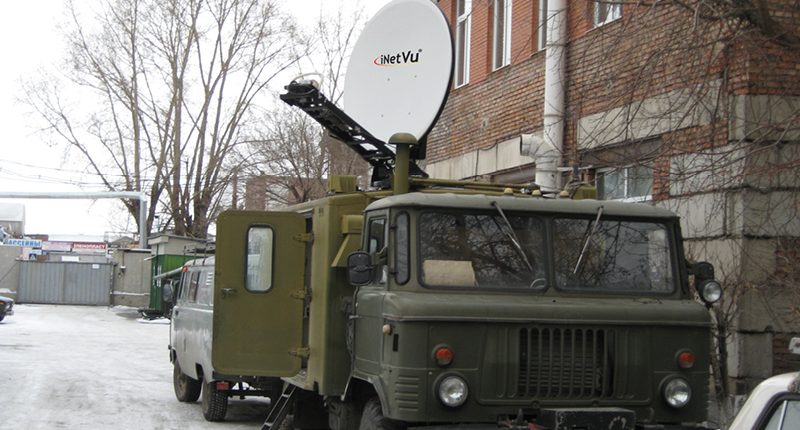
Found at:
(27, 243)
(57, 246)
(89, 247)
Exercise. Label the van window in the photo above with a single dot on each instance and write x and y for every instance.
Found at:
(204, 291)
(259, 259)
(183, 294)
(193, 283)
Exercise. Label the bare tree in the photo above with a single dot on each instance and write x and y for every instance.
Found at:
(290, 151)
(160, 91)
(292, 159)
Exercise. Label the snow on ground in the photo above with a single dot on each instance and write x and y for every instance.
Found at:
(84, 367)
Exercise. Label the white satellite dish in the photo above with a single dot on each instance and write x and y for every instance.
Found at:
(399, 73)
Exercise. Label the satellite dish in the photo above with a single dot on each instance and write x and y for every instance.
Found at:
(399, 73)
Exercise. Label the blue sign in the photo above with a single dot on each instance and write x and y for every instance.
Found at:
(25, 243)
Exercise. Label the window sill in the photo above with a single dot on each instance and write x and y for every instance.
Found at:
(637, 199)
(606, 22)
(494, 69)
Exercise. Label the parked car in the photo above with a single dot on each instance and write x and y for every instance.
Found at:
(774, 404)
(6, 307)
(190, 347)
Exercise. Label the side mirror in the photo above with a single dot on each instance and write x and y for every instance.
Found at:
(359, 268)
(707, 287)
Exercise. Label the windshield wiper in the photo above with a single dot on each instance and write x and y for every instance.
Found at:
(588, 238)
(512, 236)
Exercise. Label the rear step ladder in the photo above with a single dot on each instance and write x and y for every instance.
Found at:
(279, 409)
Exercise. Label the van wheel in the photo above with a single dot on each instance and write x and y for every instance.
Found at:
(372, 418)
(186, 388)
(215, 402)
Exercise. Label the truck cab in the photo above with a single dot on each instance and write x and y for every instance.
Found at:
(452, 307)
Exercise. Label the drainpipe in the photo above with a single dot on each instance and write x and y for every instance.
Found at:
(548, 155)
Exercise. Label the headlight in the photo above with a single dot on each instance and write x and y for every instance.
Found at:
(711, 291)
(453, 391)
(677, 392)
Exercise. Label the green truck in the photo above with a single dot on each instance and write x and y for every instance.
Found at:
(461, 303)
(425, 303)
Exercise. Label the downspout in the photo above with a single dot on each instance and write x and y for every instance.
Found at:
(548, 155)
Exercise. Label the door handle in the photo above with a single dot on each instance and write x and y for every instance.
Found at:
(228, 292)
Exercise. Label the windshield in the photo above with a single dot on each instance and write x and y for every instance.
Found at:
(621, 256)
(478, 250)
(490, 251)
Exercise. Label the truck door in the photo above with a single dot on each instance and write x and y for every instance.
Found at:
(258, 306)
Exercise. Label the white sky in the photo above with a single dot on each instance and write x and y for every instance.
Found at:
(29, 44)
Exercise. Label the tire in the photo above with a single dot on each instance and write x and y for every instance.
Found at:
(215, 402)
(186, 388)
(372, 418)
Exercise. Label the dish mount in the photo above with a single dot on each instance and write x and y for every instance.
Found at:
(397, 81)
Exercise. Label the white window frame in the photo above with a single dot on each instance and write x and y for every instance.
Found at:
(613, 12)
(625, 170)
(463, 63)
(542, 26)
(506, 28)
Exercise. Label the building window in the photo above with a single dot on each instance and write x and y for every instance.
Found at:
(501, 32)
(463, 9)
(606, 11)
(541, 30)
(631, 183)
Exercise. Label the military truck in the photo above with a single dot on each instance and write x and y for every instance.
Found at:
(433, 303)
(466, 306)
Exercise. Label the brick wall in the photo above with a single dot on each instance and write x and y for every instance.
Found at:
(651, 50)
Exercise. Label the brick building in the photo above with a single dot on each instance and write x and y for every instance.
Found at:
(275, 192)
(674, 103)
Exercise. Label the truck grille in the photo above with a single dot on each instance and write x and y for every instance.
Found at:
(564, 363)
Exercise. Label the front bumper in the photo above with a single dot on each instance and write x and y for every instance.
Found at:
(559, 419)
(568, 419)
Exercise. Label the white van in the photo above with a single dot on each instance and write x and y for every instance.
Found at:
(190, 347)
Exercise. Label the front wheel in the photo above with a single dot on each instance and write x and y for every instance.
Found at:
(186, 388)
(372, 418)
(215, 402)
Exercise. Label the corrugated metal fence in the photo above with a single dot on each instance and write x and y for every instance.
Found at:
(65, 283)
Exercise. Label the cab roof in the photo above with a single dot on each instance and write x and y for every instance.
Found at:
(524, 204)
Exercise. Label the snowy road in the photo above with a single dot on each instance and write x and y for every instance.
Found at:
(82, 367)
